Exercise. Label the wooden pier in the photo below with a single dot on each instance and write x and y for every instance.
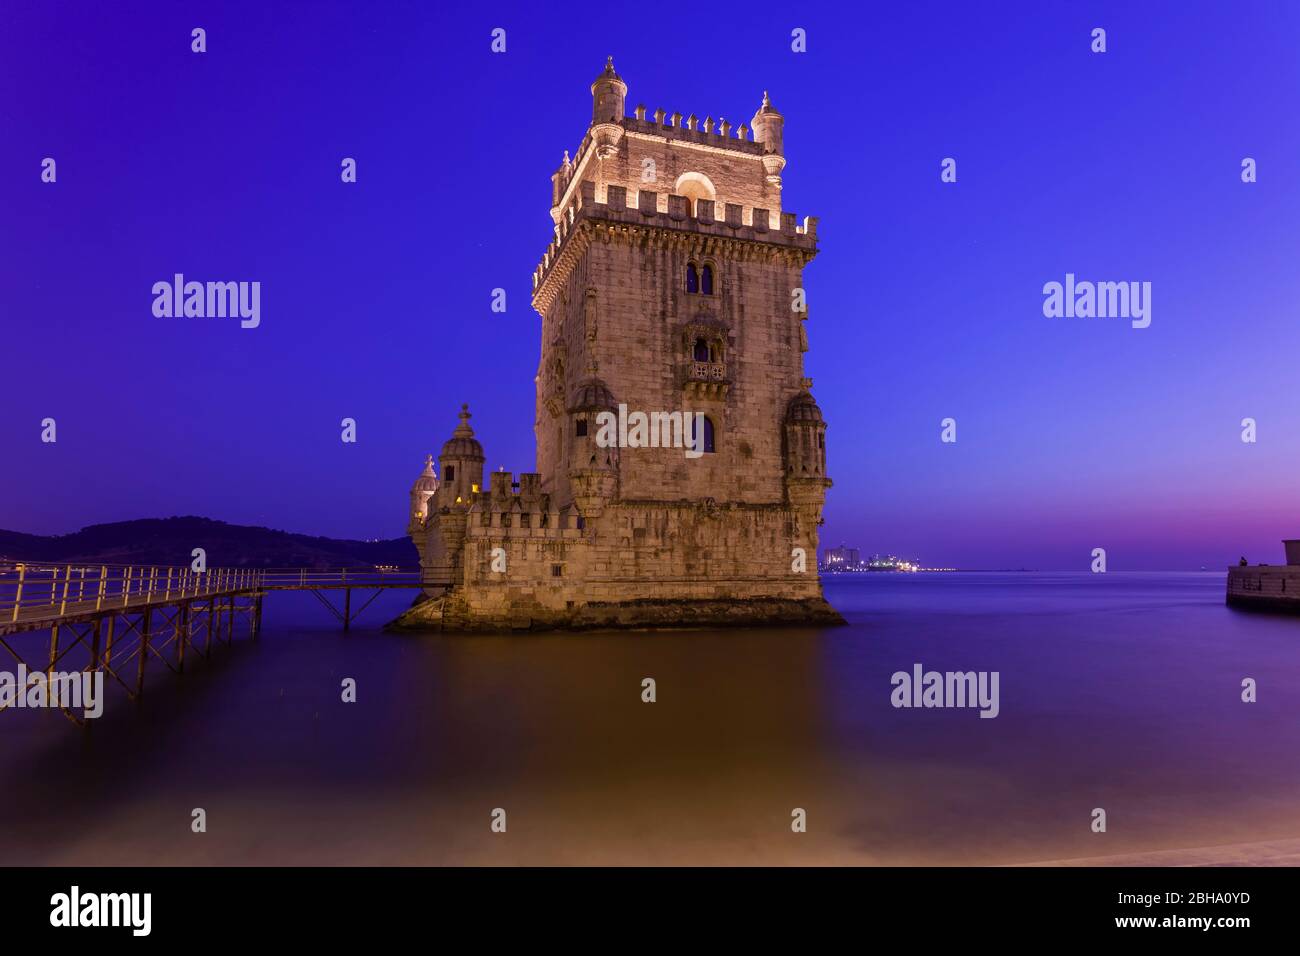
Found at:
(118, 618)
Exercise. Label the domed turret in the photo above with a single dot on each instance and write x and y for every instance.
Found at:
(462, 443)
(428, 480)
(805, 462)
(592, 395)
(803, 408)
(608, 95)
(769, 127)
(560, 180)
(462, 465)
(425, 487)
(593, 463)
(805, 457)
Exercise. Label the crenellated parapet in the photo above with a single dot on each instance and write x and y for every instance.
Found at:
(676, 215)
(692, 129)
(519, 509)
(745, 159)
(674, 126)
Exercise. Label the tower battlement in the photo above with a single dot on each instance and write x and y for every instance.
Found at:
(706, 218)
(673, 154)
(692, 129)
(719, 133)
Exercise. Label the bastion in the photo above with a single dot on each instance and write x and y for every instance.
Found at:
(673, 284)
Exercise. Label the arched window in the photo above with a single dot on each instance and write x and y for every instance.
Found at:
(581, 430)
(708, 434)
(701, 350)
(694, 186)
(692, 278)
(706, 280)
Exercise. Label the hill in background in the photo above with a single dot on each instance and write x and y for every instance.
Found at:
(170, 541)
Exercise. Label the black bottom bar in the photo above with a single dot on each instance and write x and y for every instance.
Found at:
(926, 906)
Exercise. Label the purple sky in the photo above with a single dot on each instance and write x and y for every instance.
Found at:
(926, 300)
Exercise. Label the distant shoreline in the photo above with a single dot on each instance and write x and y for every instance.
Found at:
(171, 541)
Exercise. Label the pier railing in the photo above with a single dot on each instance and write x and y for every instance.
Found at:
(305, 578)
(116, 618)
(40, 591)
(33, 589)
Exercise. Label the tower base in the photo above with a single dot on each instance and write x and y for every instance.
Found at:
(451, 612)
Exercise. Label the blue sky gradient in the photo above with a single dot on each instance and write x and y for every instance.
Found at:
(925, 302)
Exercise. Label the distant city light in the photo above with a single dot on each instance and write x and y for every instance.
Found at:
(845, 559)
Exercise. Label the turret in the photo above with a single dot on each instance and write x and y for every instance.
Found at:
(425, 487)
(769, 128)
(608, 95)
(593, 465)
(559, 183)
(462, 466)
(442, 556)
(805, 457)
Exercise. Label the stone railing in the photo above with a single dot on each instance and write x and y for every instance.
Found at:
(708, 372)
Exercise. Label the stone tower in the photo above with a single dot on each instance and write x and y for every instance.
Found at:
(672, 306)
(675, 284)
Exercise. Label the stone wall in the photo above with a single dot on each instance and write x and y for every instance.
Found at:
(635, 552)
(1263, 586)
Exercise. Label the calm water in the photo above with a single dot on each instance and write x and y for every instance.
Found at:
(1119, 691)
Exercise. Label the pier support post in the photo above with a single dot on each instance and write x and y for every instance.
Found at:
(144, 650)
(257, 616)
(108, 644)
(182, 635)
(347, 608)
(212, 615)
(230, 623)
(54, 650)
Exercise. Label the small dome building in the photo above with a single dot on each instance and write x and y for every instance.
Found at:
(425, 487)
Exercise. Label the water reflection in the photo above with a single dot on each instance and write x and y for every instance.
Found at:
(1120, 692)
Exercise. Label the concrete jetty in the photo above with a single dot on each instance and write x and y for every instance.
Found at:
(1267, 587)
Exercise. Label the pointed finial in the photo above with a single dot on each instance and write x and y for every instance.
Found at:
(766, 101)
(567, 161)
(463, 430)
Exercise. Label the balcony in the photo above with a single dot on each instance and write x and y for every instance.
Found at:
(706, 380)
(708, 372)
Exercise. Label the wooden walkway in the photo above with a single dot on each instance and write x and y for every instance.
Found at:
(34, 596)
(115, 619)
